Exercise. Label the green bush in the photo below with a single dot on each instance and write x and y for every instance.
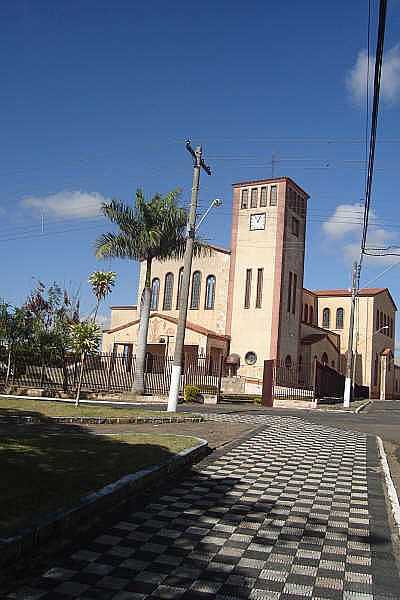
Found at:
(191, 393)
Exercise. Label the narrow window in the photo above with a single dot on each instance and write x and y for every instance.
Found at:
(247, 292)
(273, 196)
(376, 368)
(326, 318)
(155, 293)
(306, 313)
(263, 197)
(196, 285)
(339, 318)
(254, 198)
(260, 273)
(288, 362)
(294, 295)
(289, 300)
(391, 327)
(210, 292)
(324, 359)
(295, 226)
(377, 321)
(178, 295)
(381, 320)
(168, 291)
(245, 199)
(311, 315)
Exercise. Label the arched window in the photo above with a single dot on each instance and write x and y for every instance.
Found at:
(288, 361)
(155, 293)
(326, 318)
(196, 285)
(339, 318)
(210, 292)
(324, 359)
(311, 315)
(180, 275)
(306, 313)
(168, 291)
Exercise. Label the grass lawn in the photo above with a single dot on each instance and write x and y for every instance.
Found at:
(9, 406)
(42, 471)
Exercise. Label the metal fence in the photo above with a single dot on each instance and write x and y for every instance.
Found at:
(107, 372)
(293, 381)
(330, 384)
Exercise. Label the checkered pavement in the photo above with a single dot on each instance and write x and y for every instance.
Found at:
(284, 515)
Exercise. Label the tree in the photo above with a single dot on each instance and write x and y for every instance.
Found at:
(102, 283)
(154, 229)
(84, 339)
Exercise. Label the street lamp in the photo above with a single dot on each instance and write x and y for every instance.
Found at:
(217, 202)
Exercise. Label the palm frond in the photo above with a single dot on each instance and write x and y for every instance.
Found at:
(117, 245)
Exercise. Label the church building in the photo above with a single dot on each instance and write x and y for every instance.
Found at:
(249, 302)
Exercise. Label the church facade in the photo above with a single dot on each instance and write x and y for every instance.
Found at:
(250, 301)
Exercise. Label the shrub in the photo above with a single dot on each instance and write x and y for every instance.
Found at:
(191, 393)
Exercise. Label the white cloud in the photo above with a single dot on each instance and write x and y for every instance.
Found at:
(346, 225)
(356, 79)
(346, 219)
(74, 204)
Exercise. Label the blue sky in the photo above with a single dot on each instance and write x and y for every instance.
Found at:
(97, 98)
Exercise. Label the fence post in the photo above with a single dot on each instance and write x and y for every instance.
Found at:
(109, 370)
(41, 371)
(221, 362)
(315, 382)
(268, 383)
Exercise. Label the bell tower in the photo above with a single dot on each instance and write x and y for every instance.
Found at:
(266, 271)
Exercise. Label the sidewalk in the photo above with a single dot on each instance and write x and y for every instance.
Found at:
(295, 511)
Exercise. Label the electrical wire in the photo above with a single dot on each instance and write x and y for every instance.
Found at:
(374, 124)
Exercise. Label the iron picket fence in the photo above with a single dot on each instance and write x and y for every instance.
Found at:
(106, 372)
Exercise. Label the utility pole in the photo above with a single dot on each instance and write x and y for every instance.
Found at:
(349, 365)
(198, 164)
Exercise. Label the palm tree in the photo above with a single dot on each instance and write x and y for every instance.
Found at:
(102, 283)
(153, 229)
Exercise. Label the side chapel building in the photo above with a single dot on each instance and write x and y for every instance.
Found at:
(250, 301)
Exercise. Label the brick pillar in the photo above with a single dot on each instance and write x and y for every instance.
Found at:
(268, 383)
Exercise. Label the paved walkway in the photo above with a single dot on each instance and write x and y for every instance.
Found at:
(295, 511)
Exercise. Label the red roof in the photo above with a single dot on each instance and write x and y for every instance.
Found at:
(361, 292)
(343, 292)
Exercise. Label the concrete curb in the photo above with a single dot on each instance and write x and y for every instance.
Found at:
(391, 490)
(18, 419)
(149, 400)
(362, 406)
(56, 530)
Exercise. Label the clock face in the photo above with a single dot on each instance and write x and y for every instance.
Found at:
(257, 221)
